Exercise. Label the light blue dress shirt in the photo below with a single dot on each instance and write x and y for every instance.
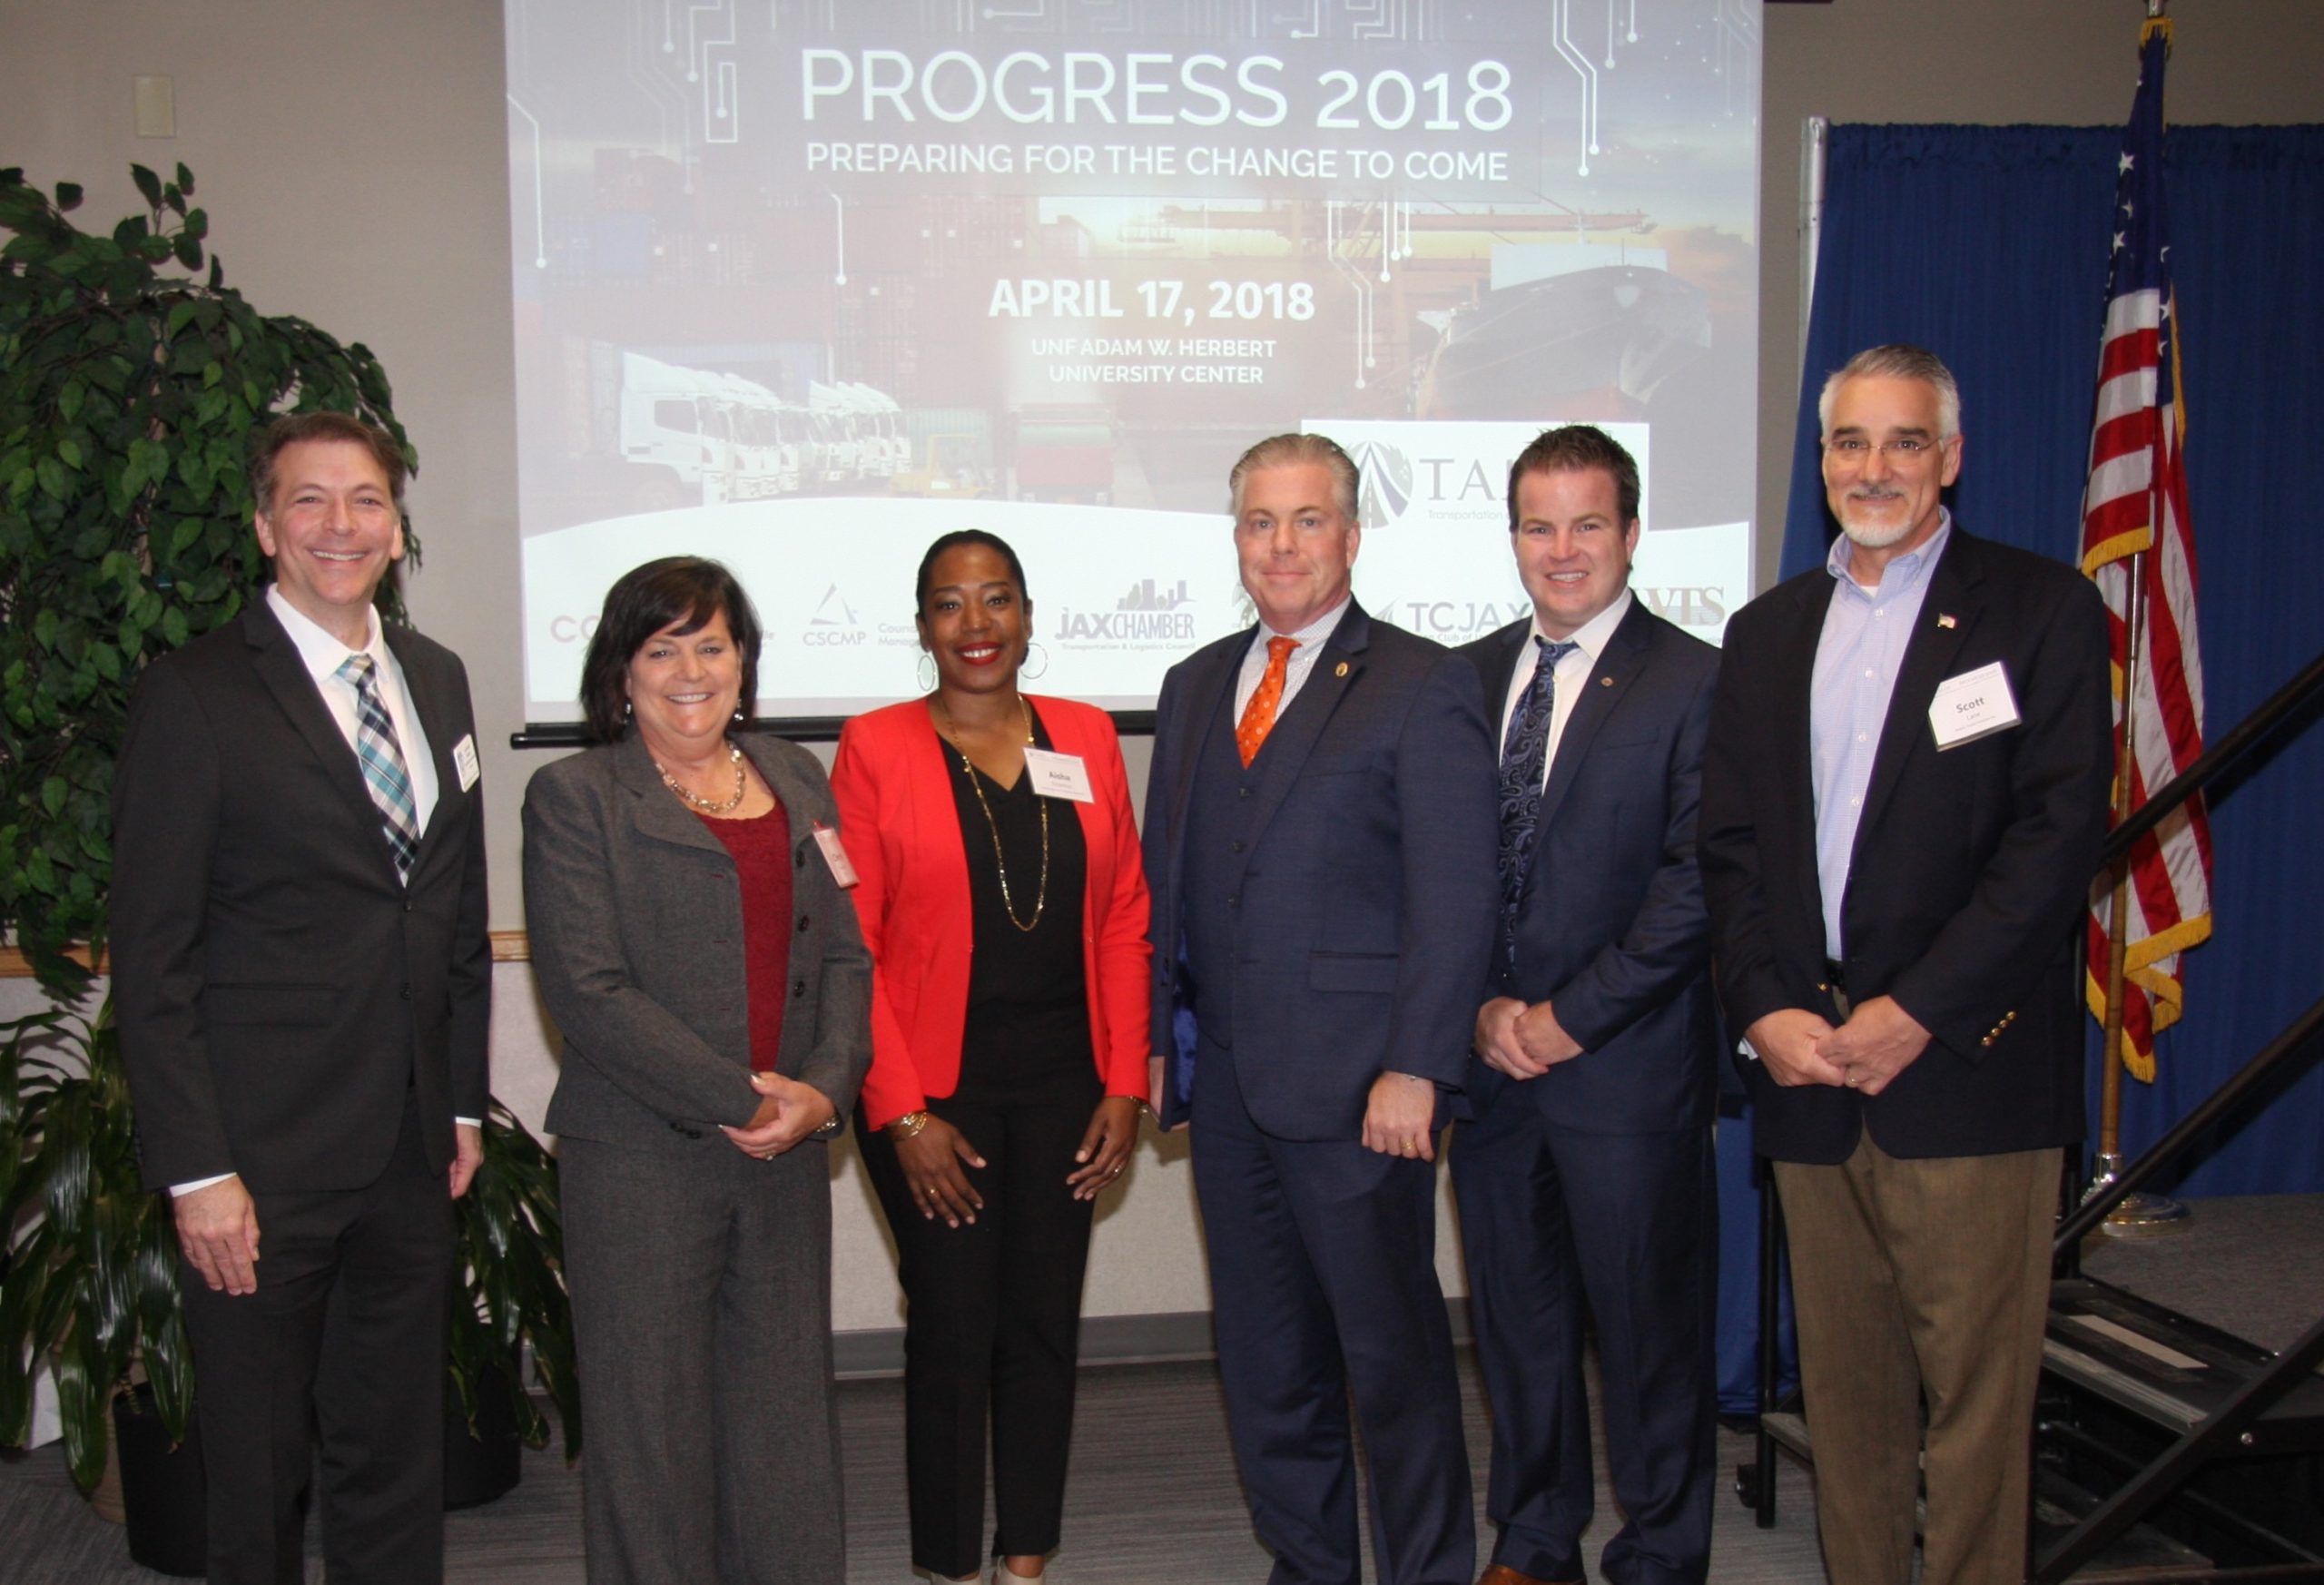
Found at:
(1857, 657)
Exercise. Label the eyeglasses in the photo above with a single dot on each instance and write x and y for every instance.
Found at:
(1908, 449)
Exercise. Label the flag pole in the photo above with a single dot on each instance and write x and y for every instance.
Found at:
(2139, 1214)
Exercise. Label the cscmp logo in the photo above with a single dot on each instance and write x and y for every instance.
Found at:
(834, 623)
(1386, 483)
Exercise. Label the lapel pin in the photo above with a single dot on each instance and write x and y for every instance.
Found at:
(1946, 619)
(1605, 682)
(1340, 670)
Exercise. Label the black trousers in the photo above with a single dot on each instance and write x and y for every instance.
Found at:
(991, 1330)
(345, 1335)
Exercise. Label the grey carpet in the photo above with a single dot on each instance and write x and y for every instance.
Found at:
(1153, 1499)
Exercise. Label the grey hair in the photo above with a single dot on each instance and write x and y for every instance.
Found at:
(1897, 361)
(1293, 451)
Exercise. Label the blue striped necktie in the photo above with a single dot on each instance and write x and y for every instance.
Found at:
(385, 776)
(1524, 755)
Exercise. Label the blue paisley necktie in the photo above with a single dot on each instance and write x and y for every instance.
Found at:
(1522, 758)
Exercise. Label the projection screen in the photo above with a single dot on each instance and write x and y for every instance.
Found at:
(802, 285)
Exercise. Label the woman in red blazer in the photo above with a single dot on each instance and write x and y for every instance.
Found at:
(1002, 897)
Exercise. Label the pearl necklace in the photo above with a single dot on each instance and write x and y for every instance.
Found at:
(712, 805)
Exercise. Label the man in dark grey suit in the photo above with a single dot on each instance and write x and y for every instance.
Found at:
(302, 982)
(1584, 1173)
(1319, 840)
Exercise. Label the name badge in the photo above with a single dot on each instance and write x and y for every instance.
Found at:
(464, 762)
(1972, 705)
(835, 855)
(1056, 776)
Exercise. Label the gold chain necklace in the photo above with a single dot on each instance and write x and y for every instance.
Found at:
(999, 862)
(713, 806)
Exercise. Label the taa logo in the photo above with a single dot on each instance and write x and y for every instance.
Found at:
(1385, 476)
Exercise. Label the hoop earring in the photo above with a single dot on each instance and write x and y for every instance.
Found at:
(926, 671)
(1032, 644)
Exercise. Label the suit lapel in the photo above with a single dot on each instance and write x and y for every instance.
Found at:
(1296, 730)
(1602, 688)
(1795, 675)
(284, 671)
(658, 813)
(1501, 666)
(1929, 658)
(1207, 694)
(420, 684)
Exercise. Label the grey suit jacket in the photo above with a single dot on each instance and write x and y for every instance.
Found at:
(636, 916)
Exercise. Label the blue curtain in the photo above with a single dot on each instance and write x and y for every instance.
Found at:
(1989, 246)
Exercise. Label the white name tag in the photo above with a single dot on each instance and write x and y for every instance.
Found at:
(835, 855)
(464, 762)
(1056, 776)
(1972, 705)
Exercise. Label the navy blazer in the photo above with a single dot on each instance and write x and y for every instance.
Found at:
(1971, 868)
(1366, 894)
(1611, 927)
(277, 988)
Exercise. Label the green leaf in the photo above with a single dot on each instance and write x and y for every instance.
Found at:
(185, 177)
(148, 184)
(68, 196)
(68, 450)
(189, 250)
(51, 795)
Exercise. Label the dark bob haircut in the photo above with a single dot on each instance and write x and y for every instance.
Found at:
(953, 541)
(689, 589)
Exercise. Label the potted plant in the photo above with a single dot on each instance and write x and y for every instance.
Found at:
(131, 382)
(510, 1244)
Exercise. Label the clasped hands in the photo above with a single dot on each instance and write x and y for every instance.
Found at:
(788, 1112)
(1520, 1040)
(1879, 1041)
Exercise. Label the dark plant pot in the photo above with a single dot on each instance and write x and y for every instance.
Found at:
(163, 1488)
(479, 1468)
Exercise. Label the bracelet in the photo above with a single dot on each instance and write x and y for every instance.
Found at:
(1138, 1102)
(827, 1127)
(908, 1125)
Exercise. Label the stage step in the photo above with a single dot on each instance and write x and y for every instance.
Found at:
(2167, 1369)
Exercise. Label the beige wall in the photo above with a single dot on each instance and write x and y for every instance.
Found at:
(351, 157)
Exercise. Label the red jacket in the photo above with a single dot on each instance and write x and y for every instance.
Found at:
(903, 832)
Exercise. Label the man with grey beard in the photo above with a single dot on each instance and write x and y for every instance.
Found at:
(1903, 795)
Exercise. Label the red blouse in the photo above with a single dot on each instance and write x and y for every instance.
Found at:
(762, 852)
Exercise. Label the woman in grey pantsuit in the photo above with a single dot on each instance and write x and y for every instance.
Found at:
(692, 941)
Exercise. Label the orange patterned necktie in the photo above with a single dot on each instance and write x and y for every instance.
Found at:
(1258, 715)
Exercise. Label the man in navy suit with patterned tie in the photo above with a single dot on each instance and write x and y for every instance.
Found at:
(302, 980)
(1319, 840)
(1584, 1172)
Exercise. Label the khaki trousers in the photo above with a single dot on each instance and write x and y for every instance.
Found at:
(1925, 1279)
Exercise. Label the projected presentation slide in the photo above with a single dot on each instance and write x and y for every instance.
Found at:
(802, 285)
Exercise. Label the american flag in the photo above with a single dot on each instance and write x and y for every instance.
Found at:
(2136, 502)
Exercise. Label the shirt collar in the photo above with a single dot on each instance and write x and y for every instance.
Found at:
(1592, 634)
(323, 651)
(1900, 571)
(1316, 632)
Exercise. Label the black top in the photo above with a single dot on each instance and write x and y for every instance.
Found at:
(1026, 1036)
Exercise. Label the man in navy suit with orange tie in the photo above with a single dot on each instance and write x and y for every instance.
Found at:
(1584, 1172)
(1319, 841)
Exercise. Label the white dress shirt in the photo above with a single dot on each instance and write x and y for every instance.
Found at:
(1302, 660)
(1573, 673)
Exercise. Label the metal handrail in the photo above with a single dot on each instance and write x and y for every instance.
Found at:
(2239, 741)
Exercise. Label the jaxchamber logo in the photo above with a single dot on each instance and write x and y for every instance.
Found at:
(834, 624)
(1146, 616)
(1385, 483)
